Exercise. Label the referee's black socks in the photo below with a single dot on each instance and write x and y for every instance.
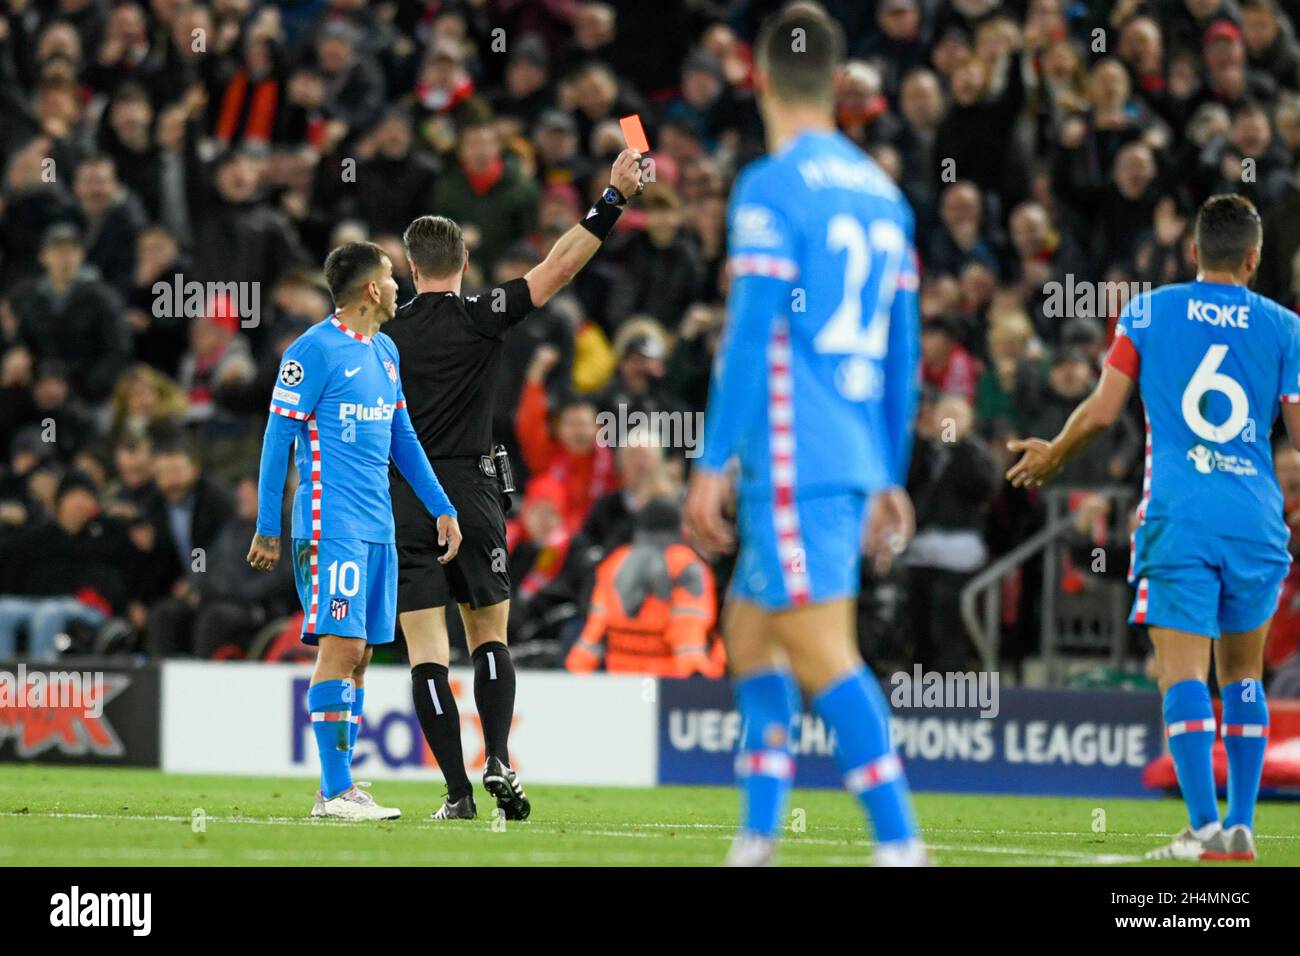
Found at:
(435, 706)
(494, 693)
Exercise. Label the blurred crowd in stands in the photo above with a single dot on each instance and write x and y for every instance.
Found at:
(1054, 152)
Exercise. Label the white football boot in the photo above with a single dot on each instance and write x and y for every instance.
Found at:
(1189, 844)
(354, 804)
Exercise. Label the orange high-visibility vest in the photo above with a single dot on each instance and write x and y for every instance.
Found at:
(652, 611)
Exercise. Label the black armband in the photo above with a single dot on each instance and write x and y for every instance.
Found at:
(600, 220)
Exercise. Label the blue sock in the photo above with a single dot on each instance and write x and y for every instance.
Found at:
(1245, 735)
(1189, 727)
(330, 704)
(354, 724)
(856, 710)
(768, 703)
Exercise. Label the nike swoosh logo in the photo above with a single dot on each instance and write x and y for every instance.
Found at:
(348, 373)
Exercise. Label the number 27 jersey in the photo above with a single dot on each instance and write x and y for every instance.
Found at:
(1212, 362)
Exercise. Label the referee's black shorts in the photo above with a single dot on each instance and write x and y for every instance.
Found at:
(479, 575)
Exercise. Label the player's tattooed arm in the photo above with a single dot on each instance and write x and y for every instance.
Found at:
(264, 554)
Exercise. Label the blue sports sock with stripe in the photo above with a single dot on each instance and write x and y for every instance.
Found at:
(1245, 736)
(768, 703)
(354, 724)
(856, 710)
(1189, 728)
(330, 704)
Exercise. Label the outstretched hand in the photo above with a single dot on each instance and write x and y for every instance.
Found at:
(1037, 466)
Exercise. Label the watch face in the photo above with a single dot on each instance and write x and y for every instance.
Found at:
(611, 195)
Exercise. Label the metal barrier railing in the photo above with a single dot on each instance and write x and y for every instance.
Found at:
(981, 599)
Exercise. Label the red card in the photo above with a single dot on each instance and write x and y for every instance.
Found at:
(634, 133)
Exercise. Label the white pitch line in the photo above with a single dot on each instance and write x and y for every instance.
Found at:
(1011, 852)
(717, 832)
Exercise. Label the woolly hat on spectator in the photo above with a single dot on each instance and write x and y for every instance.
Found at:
(28, 441)
(647, 346)
(1222, 30)
(1067, 356)
(531, 49)
(556, 119)
(1082, 331)
(61, 232)
(339, 30)
(941, 323)
(51, 368)
(76, 480)
(545, 489)
(703, 61)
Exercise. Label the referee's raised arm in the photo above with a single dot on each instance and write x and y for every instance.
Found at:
(576, 247)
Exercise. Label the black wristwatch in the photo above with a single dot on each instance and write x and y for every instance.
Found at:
(613, 196)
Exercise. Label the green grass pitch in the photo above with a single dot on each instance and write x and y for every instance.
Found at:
(115, 817)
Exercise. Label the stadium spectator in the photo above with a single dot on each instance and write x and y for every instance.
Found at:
(61, 571)
(945, 364)
(158, 335)
(653, 608)
(354, 85)
(641, 347)
(145, 402)
(392, 178)
(986, 101)
(921, 108)
(71, 314)
(487, 190)
(662, 266)
(538, 542)
(238, 238)
(951, 481)
(224, 601)
(112, 218)
(560, 162)
(1072, 376)
(563, 444)
(189, 510)
(1002, 395)
(961, 234)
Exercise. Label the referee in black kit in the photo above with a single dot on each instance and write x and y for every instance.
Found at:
(451, 349)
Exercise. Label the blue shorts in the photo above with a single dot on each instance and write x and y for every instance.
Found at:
(347, 587)
(1202, 583)
(803, 553)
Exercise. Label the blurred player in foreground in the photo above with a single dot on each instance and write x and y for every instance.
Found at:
(1212, 361)
(338, 399)
(814, 393)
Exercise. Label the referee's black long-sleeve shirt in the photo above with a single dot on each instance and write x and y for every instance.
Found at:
(451, 350)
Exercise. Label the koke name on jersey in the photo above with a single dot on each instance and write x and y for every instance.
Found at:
(1229, 315)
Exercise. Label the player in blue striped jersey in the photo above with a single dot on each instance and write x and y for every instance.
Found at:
(338, 401)
(813, 396)
(1213, 362)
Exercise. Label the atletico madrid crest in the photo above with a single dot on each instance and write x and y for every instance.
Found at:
(391, 368)
(338, 608)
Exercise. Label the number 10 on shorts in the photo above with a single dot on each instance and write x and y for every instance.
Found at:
(344, 578)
